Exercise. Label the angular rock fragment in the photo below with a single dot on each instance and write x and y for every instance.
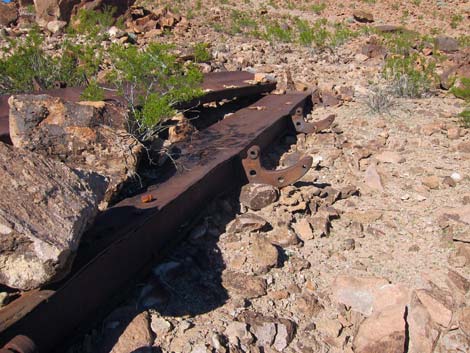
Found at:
(383, 331)
(88, 135)
(363, 16)
(258, 196)
(137, 336)
(247, 222)
(44, 209)
(242, 285)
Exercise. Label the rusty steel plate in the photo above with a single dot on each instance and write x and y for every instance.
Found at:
(129, 236)
(217, 86)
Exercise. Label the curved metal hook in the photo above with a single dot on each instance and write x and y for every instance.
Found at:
(257, 174)
(310, 127)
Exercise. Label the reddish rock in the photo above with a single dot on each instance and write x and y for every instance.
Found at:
(438, 309)
(363, 16)
(242, 285)
(264, 255)
(373, 179)
(258, 196)
(383, 331)
(423, 332)
(137, 336)
(247, 222)
(8, 14)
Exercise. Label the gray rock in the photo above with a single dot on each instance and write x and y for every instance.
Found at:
(258, 196)
(44, 209)
(446, 44)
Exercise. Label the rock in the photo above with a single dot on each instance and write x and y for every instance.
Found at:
(53, 10)
(3, 299)
(8, 14)
(432, 182)
(460, 214)
(329, 99)
(183, 129)
(423, 332)
(136, 336)
(464, 321)
(383, 331)
(390, 157)
(373, 179)
(449, 182)
(44, 209)
(283, 237)
(258, 196)
(247, 222)
(303, 229)
(458, 282)
(453, 342)
(56, 26)
(270, 331)
(321, 224)
(160, 326)
(453, 133)
(389, 28)
(264, 255)
(348, 244)
(284, 335)
(446, 44)
(363, 16)
(246, 286)
(373, 50)
(464, 147)
(89, 136)
(438, 309)
(265, 333)
(237, 332)
(368, 294)
(328, 327)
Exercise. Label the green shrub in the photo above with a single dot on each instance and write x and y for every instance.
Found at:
(92, 22)
(200, 52)
(274, 31)
(153, 83)
(463, 90)
(318, 8)
(93, 92)
(465, 118)
(410, 76)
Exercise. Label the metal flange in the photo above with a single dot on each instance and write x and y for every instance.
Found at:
(305, 127)
(19, 344)
(257, 174)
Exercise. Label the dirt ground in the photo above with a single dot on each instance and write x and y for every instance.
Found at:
(369, 252)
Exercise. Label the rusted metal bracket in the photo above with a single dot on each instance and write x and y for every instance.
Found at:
(19, 344)
(257, 174)
(305, 127)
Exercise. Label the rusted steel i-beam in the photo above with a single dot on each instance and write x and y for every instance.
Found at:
(133, 233)
(216, 85)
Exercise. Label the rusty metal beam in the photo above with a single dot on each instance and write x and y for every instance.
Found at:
(218, 86)
(133, 233)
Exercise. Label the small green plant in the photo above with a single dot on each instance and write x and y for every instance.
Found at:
(274, 31)
(318, 8)
(242, 22)
(92, 22)
(461, 88)
(455, 20)
(201, 53)
(25, 66)
(93, 92)
(465, 118)
(153, 82)
(409, 76)
(464, 41)
(341, 35)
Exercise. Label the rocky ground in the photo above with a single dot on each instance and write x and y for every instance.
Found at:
(369, 252)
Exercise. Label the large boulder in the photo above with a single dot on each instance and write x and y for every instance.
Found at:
(53, 10)
(44, 209)
(89, 136)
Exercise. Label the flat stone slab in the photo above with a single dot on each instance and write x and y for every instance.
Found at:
(44, 209)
